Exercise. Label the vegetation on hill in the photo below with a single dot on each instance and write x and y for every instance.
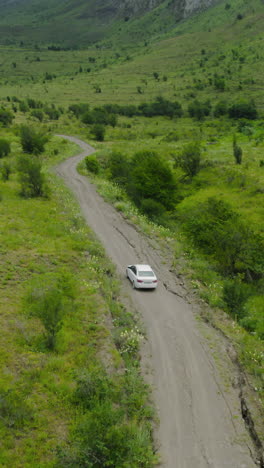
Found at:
(58, 292)
(185, 108)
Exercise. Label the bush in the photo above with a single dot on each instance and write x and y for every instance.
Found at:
(220, 232)
(79, 109)
(23, 107)
(6, 117)
(237, 151)
(220, 109)
(38, 114)
(14, 411)
(92, 387)
(161, 106)
(119, 168)
(5, 170)
(152, 208)
(190, 159)
(52, 113)
(105, 438)
(151, 178)
(92, 164)
(31, 177)
(4, 148)
(98, 131)
(199, 110)
(253, 320)
(235, 295)
(240, 110)
(49, 306)
(32, 141)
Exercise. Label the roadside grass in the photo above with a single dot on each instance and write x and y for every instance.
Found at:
(239, 185)
(43, 242)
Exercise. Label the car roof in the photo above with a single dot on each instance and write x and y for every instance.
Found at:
(143, 267)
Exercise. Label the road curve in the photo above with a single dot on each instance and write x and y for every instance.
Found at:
(199, 413)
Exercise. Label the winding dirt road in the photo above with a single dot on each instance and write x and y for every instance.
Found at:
(199, 410)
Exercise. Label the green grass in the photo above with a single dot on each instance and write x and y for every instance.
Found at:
(42, 240)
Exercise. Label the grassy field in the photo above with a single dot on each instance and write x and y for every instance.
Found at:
(43, 239)
(43, 242)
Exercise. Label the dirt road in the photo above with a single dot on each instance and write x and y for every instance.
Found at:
(199, 410)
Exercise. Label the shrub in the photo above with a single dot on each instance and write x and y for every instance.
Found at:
(253, 320)
(199, 110)
(105, 438)
(32, 141)
(23, 107)
(235, 295)
(31, 177)
(119, 168)
(219, 83)
(190, 159)
(161, 106)
(219, 231)
(52, 113)
(152, 208)
(220, 109)
(237, 151)
(79, 109)
(92, 387)
(38, 114)
(6, 117)
(14, 411)
(4, 148)
(49, 306)
(151, 178)
(98, 131)
(5, 170)
(243, 109)
(92, 164)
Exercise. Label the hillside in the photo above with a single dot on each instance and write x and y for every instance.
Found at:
(77, 23)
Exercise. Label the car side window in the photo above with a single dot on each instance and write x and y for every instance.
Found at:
(133, 268)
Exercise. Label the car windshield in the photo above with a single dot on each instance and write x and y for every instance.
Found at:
(146, 273)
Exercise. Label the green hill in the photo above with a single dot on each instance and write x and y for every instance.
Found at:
(74, 23)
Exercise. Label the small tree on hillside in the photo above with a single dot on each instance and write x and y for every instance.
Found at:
(32, 142)
(237, 151)
(4, 148)
(6, 117)
(31, 178)
(190, 159)
(151, 178)
(98, 131)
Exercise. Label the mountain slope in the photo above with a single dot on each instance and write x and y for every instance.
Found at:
(84, 21)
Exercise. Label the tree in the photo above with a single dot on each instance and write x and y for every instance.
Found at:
(199, 110)
(6, 117)
(98, 131)
(237, 151)
(5, 170)
(48, 306)
(92, 164)
(190, 159)
(32, 141)
(4, 148)
(31, 178)
(243, 109)
(151, 178)
(119, 168)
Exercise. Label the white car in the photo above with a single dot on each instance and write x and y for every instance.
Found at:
(141, 276)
